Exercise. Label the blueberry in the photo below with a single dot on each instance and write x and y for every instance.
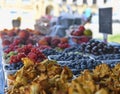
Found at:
(89, 65)
(17, 68)
(6, 67)
(10, 68)
(83, 67)
(75, 71)
(77, 66)
(12, 65)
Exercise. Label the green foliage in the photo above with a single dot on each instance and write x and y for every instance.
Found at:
(114, 38)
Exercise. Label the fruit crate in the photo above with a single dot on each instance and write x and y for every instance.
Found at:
(80, 39)
(52, 57)
(63, 63)
(110, 59)
(111, 63)
(68, 57)
(107, 57)
(7, 73)
(5, 61)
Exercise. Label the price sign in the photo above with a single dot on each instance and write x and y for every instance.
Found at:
(105, 20)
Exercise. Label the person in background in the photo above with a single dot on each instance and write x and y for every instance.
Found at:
(83, 17)
(16, 23)
(86, 16)
(88, 12)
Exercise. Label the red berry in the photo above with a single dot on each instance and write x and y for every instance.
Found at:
(81, 28)
(32, 56)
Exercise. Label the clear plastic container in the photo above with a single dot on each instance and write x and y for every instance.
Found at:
(9, 82)
(80, 39)
(52, 57)
(7, 73)
(56, 57)
(111, 63)
(108, 57)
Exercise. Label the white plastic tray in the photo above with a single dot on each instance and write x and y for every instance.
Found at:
(51, 57)
(106, 55)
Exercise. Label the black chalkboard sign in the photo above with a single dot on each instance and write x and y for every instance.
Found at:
(105, 20)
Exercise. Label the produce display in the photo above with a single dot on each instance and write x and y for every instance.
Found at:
(48, 52)
(14, 66)
(99, 48)
(80, 35)
(15, 37)
(40, 78)
(54, 42)
(101, 80)
(79, 65)
(73, 49)
(8, 55)
(68, 57)
(35, 63)
(48, 77)
(26, 51)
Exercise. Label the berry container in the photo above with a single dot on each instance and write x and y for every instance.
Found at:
(69, 57)
(80, 39)
(52, 57)
(107, 57)
(110, 59)
(111, 63)
(7, 73)
(7, 80)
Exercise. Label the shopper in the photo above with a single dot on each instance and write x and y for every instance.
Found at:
(16, 23)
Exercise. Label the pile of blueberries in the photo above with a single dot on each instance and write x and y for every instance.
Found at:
(79, 65)
(48, 52)
(13, 66)
(69, 56)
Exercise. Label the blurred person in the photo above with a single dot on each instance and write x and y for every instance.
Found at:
(83, 17)
(16, 23)
(86, 16)
(88, 12)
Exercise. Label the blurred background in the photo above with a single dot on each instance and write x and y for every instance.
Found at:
(31, 10)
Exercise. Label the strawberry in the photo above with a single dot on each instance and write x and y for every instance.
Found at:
(81, 28)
